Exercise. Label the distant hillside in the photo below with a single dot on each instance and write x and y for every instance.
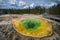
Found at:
(36, 10)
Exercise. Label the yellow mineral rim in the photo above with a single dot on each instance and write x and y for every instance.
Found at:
(36, 27)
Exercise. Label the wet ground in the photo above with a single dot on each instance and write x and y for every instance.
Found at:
(7, 32)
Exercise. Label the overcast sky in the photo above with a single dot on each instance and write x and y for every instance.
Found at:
(21, 4)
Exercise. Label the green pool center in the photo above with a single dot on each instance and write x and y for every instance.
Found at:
(30, 23)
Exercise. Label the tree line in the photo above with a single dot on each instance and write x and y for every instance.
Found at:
(37, 10)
